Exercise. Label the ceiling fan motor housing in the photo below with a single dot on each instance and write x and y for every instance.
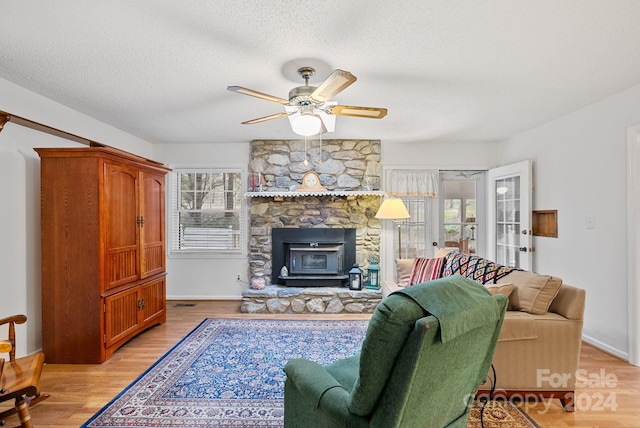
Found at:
(301, 95)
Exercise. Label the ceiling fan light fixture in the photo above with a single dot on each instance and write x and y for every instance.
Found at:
(307, 124)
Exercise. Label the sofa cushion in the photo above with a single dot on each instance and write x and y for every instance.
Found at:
(403, 271)
(518, 326)
(533, 293)
(426, 270)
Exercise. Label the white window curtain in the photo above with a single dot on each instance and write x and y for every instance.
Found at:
(412, 182)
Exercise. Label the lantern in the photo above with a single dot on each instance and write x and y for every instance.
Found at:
(355, 278)
(374, 278)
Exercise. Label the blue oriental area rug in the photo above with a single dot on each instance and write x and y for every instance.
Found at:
(228, 373)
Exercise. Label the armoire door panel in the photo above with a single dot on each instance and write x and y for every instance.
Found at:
(121, 315)
(121, 212)
(152, 228)
(153, 299)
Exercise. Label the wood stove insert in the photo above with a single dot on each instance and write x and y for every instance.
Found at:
(313, 257)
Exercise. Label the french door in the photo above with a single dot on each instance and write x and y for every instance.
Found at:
(462, 209)
(509, 215)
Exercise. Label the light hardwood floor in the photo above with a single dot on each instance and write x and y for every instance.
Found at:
(79, 391)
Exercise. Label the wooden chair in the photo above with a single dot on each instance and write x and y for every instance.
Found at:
(19, 378)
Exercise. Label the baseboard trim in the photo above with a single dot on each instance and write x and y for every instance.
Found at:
(606, 348)
(190, 297)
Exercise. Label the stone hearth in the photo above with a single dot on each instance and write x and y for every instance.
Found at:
(320, 300)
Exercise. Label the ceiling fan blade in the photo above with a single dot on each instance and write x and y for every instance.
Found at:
(367, 112)
(262, 119)
(251, 92)
(337, 82)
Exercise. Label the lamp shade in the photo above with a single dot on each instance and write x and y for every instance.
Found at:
(392, 209)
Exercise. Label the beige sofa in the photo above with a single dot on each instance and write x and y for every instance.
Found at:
(539, 347)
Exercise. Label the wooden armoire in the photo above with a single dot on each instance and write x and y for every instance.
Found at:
(103, 250)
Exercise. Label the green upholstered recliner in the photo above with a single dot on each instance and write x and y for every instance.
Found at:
(427, 349)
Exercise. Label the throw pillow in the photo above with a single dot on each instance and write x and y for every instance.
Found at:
(455, 263)
(403, 271)
(426, 270)
(443, 252)
(534, 292)
(485, 271)
(504, 289)
(473, 267)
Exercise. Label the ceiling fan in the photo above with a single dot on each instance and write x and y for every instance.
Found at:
(309, 108)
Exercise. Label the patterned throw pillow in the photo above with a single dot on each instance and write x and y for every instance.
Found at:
(455, 263)
(474, 267)
(487, 272)
(426, 270)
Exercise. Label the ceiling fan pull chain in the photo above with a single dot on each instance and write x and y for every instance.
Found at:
(320, 162)
(306, 162)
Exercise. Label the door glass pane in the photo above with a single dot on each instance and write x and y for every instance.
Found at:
(508, 221)
(460, 225)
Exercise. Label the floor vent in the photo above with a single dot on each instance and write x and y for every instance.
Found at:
(182, 305)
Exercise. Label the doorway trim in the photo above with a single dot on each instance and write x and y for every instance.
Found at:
(633, 243)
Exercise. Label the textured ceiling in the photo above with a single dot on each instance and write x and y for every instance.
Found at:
(476, 70)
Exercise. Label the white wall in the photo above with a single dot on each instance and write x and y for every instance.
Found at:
(202, 277)
(580, 170)
(440, 155)
(20, 197)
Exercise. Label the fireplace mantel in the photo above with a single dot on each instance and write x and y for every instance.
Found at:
(349, 194)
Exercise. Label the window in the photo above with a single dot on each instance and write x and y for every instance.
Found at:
(417, 188)
(206, 213)
(416, 240)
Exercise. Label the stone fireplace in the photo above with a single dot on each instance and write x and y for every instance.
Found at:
(350, 171)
